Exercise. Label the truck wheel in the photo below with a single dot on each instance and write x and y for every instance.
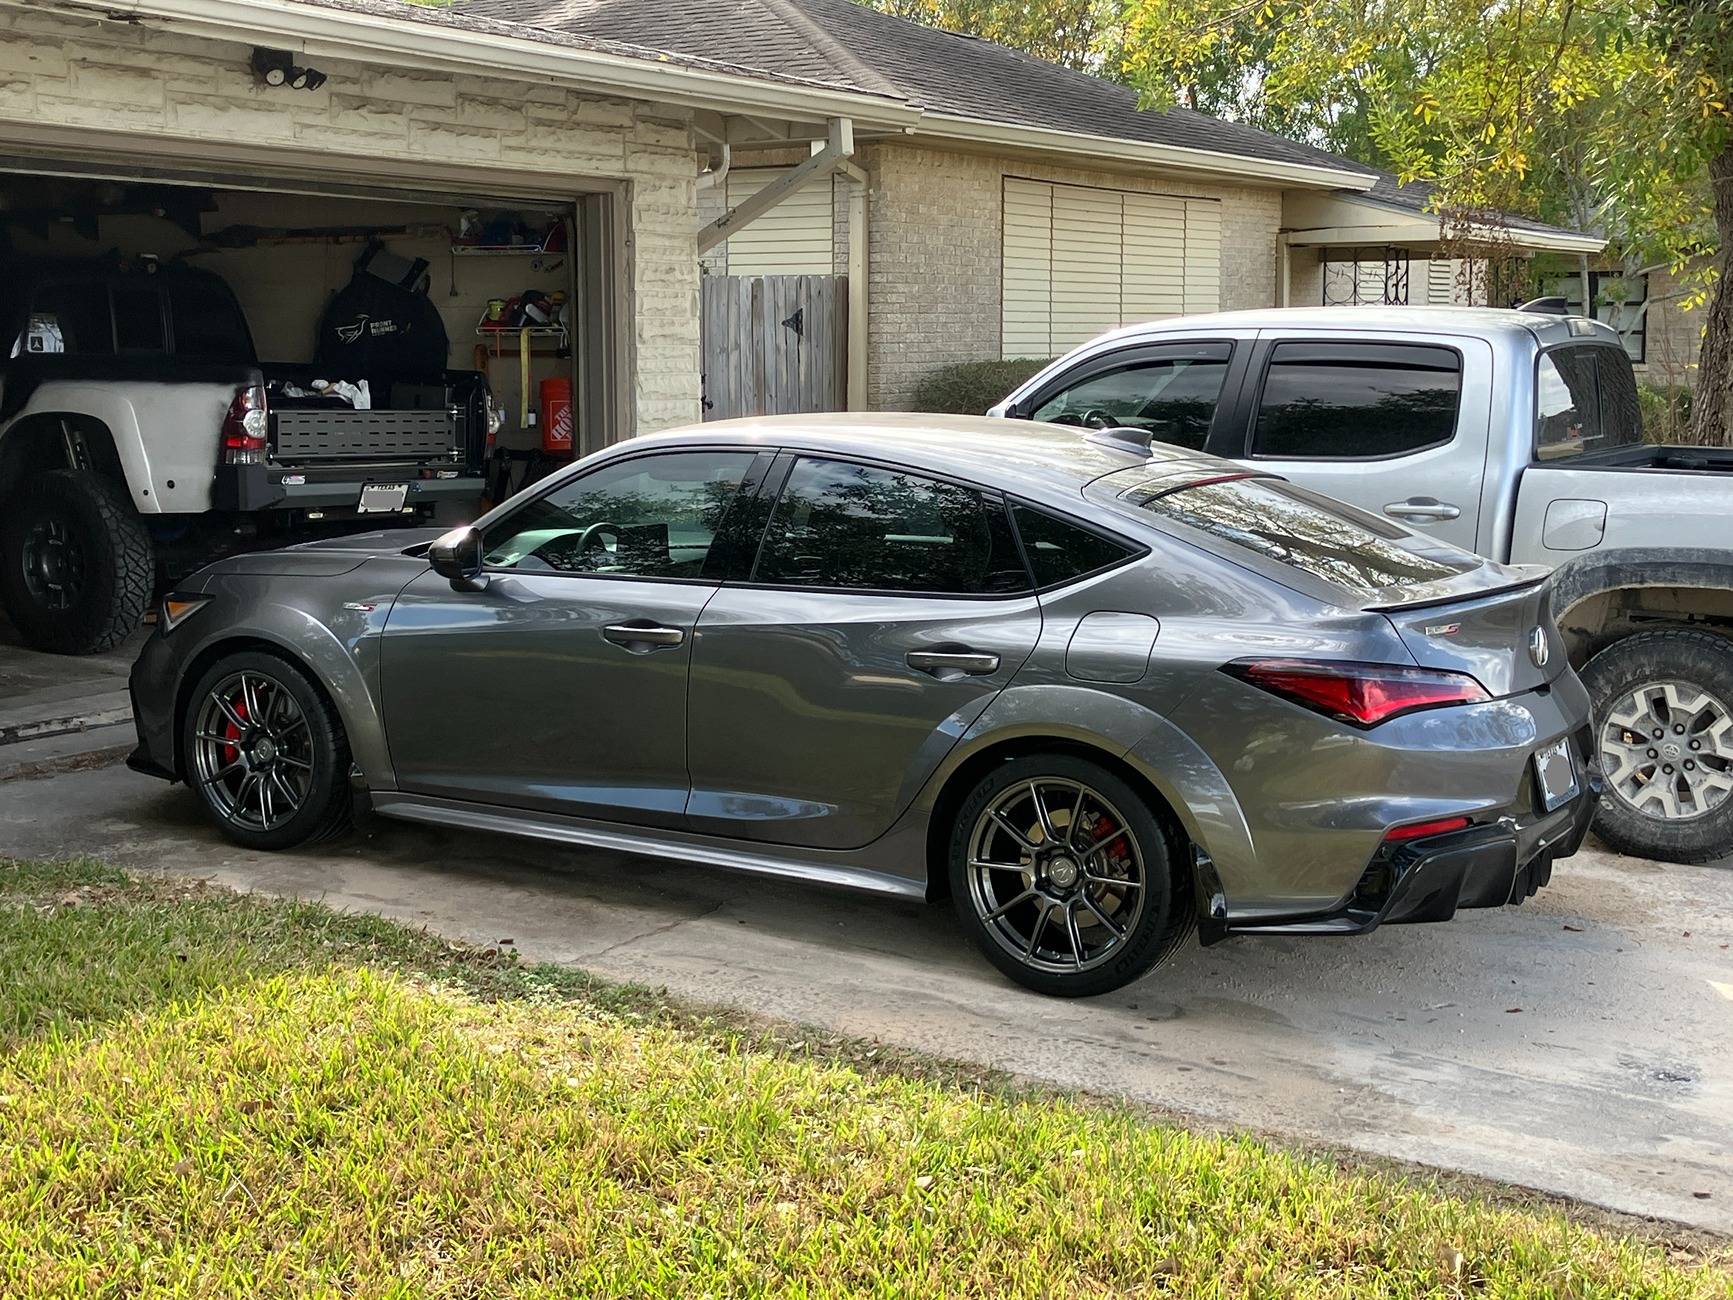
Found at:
(1663, 706)
(76, 569)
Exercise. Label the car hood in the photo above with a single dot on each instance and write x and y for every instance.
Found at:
(329, 556)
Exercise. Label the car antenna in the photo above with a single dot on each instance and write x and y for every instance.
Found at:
(1124, 437)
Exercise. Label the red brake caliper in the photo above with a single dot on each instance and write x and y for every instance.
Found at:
(232, 730)
(1105, 829)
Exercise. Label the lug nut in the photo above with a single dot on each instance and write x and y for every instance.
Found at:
(1690, 766)
(1696, 744)
(1654, 754)
(1659, 732)
(1678, 730)
(1668, 769)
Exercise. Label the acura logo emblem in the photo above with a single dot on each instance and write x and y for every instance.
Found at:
(1538, 650)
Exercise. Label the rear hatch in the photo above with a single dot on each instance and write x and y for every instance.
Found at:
(1452, 609)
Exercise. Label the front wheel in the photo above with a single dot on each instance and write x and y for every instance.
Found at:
(1064, 877)
(1663, 707)
(266, 753)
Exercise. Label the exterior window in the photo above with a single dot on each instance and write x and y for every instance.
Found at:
(854, 527)
(1059, 551)
(1585, 400)
(1173, 398)
(1619, 301)
(1358, 552)
(208, 326)
(648, 517)
(1356, 401)
(137, 319)
(70, 318)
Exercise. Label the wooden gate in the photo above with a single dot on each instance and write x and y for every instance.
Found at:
(774, 344)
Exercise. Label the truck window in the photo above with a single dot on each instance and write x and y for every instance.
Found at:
(1585, 400)
(69, 318)
(208, 324)
(1171, 394)
(137, 318)
(1356, 401)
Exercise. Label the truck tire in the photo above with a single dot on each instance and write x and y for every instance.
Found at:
(76, 568)
(1663, 707)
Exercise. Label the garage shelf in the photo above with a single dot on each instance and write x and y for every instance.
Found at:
(504, 250)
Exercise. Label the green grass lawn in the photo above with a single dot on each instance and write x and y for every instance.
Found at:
(210, 1095)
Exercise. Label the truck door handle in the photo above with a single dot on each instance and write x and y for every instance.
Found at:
(1422, 508)
(641, 636)
(951, 664)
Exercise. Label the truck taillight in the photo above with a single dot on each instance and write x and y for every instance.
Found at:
(245, 427)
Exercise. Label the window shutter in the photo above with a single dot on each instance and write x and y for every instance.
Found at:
(1087, 240)
(1152, 280)
(793, 238)
(1026, 295)
(1441, 282)
(1203, 256)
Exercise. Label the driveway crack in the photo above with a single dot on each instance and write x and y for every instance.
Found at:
(655, 930)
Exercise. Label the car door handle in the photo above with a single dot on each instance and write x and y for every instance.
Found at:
(964, 663)
(641, 637)
(1422, 508)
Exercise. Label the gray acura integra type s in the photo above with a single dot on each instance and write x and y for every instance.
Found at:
(1095, 692)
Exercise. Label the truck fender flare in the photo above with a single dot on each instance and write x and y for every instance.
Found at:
(1697, 568)
(108, 408)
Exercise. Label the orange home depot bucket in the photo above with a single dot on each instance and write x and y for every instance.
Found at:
(557, 416)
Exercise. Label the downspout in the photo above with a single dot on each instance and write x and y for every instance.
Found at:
(717, 172)
(857, 285)
(838, 148)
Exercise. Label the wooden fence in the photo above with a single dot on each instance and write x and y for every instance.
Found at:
(774, 344)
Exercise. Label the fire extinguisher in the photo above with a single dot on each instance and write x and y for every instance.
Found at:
(556, 403)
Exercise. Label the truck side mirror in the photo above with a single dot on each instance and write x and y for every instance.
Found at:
(457, 557)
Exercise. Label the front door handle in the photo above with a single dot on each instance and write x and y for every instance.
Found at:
(642, 636)
(953, 663)
(1422, 508)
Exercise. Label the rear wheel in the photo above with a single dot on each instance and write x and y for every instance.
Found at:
(76, 568)
(266, 753)
(1065, 878)
(1663, 707)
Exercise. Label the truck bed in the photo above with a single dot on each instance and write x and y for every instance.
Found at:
(1646, 496)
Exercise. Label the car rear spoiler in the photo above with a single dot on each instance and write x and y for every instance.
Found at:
(1453, 591)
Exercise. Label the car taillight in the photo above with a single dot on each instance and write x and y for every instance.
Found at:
(245, 427)
(1361, 694)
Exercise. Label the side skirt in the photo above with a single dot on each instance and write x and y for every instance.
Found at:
(608, 835)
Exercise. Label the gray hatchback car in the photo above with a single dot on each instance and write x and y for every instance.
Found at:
(1095, 692)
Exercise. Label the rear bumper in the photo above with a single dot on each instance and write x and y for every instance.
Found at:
(245, 488)
(1499, 862)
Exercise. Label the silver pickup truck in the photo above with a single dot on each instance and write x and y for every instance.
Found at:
(1513, 434)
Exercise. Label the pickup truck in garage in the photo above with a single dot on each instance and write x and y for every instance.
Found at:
(141, 437)
(1516, 434)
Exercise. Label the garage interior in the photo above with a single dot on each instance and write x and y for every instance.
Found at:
(524, 287)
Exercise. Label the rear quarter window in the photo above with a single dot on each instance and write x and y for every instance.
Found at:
(1585, 400)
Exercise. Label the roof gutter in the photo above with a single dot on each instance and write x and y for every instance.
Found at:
(376, 37)
(1202, 162)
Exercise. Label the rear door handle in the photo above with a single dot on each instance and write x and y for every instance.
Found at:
(953, 663)
(642, 636)
(1422, 508)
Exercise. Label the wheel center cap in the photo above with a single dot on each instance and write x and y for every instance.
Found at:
(1671, 751)
(263, 752)
(1063, 872)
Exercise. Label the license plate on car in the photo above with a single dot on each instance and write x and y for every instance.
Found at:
(383, 498)
(1556, 773)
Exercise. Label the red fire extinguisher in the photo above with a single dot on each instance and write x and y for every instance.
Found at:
(557, 416)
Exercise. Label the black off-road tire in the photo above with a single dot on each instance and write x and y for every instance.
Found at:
(1168, 917)
(329, 806)
(1703, 660)
(117, 567)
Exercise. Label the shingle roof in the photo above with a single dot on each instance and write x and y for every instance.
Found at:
(1416, 197)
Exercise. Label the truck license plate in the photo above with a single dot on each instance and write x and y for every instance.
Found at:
(1556, 773)
(383, 498)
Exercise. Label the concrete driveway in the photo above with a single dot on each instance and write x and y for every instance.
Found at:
(1582, 1044)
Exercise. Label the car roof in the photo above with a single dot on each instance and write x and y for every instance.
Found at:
(1479, 322)
(1020, 457)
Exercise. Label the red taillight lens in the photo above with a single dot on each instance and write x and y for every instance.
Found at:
(1420, 830)
(1361, 694)
(245, 427)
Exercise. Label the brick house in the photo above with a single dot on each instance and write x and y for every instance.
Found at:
(980, 203)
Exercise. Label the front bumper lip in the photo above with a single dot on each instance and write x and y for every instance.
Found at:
(1496, 864)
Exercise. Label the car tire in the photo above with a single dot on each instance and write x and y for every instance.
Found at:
(1687, 678)
(1108, 878)
(76, 567)
(273, 784)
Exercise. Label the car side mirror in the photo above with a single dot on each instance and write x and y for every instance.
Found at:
(457, 557)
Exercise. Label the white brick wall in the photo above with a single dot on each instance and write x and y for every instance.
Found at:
(933, 253)
(63, 72)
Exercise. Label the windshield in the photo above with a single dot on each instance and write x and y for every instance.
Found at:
(1325, 539)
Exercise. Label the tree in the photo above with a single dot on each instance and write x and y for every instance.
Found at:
(1612, 114)
(1073, 33)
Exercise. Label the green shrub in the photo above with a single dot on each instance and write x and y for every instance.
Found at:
(971, 387)
(1666, 411)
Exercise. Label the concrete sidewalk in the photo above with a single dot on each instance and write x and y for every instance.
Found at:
(1582, 1044)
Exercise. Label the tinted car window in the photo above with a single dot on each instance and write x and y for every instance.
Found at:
(1173, 397)
(1358, 552)
(842, 525)
(70, 318)
(1585, 400)
(1356, 400)
(208, 325)
(647, 517)
(1059, 551)
(137, 318)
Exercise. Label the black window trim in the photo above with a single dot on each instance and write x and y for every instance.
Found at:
(759, 466)
(1134, 550)
(166, 347)
(1565, 345)
(1136, 351)
(989, 496)
(1266, 350)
